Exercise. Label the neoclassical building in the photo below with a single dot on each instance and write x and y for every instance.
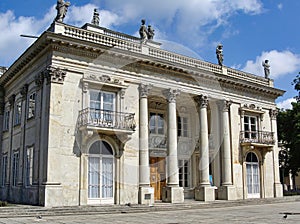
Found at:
(94, 116)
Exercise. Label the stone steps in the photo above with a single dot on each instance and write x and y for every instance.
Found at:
(37, 211)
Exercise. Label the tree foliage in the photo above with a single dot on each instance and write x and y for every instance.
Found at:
(288, 123)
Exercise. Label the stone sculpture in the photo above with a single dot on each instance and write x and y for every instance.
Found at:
(143, 31)
(96, 18)
(62, 8)
(266, 66)
(219, 52)
(146, 33)
(150, 32)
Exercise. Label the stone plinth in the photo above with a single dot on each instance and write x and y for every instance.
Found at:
(205, 193)
(278, 191)
(227, 193)
(146, 195)
(173, 194)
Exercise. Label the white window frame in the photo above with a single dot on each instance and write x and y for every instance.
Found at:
(184, 171)
(156, 123)
(31, 105)
(101, 113)
(15, 168)
(29, 166)
(182, 126)
(251, 132)
(4, 170)
(18, 112)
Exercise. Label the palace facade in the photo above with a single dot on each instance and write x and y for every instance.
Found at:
(93, 116)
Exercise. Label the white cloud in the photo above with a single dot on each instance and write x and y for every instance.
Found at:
(11, 43)
(190, 20)
(280, 6)
(286, 104)
(281, 63)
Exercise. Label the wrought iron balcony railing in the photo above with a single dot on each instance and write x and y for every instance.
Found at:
(106, 119)
(261, 137)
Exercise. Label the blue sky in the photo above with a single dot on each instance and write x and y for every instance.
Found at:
(250, 30)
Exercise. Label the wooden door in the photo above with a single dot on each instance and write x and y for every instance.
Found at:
(157, 176)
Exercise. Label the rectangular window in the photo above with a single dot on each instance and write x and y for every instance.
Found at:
(31, 105)
(157, 123)
(29, 166)
(102, 106)
(184, 173)
(182, 126)
(6, 120)
(250, 127)
(15, 168)
(18, 112)
(4, 170)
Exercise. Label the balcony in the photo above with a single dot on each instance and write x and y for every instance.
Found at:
(105, 120)
(257, 137)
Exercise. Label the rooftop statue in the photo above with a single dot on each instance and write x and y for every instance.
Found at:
(62, 8)
(219, 52)
(266, 66)
(150, 32)
(143, 31)
(96, 18)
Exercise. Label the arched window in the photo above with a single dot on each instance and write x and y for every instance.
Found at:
(100, 173)
(251, 158)
(253, 179)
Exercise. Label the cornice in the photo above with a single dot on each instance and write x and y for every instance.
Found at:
(178, 72)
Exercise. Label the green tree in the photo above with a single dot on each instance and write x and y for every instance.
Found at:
(289, 133)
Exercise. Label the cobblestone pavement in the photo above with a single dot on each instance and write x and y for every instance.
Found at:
(266, 213)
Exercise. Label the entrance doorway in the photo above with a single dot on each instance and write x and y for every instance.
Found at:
(252, 172)
(157, 176)
(100, 173)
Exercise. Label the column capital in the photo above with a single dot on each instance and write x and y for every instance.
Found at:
(11, 100)
(202, 101)
(224, 105)
(39, 80)
(54, 75)
(24, 91)
(171, 94)
(273, 114)
(144, 90)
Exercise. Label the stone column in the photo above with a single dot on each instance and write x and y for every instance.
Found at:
(204, 192)
(227, 190)
(146, 193)
(172, 193)
(278, 191)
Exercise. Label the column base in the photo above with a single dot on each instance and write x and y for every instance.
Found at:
(205, 193)
(227, 192)
(146, 195)
(278, 190)
(173, 194)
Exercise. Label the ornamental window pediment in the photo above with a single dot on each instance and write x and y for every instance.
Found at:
(105, 80)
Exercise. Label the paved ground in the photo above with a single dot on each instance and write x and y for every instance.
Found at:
(262, 213)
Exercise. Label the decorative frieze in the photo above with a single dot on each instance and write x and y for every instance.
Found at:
(251, 108)
(171, 95)
(54, 75)
(144, 90)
